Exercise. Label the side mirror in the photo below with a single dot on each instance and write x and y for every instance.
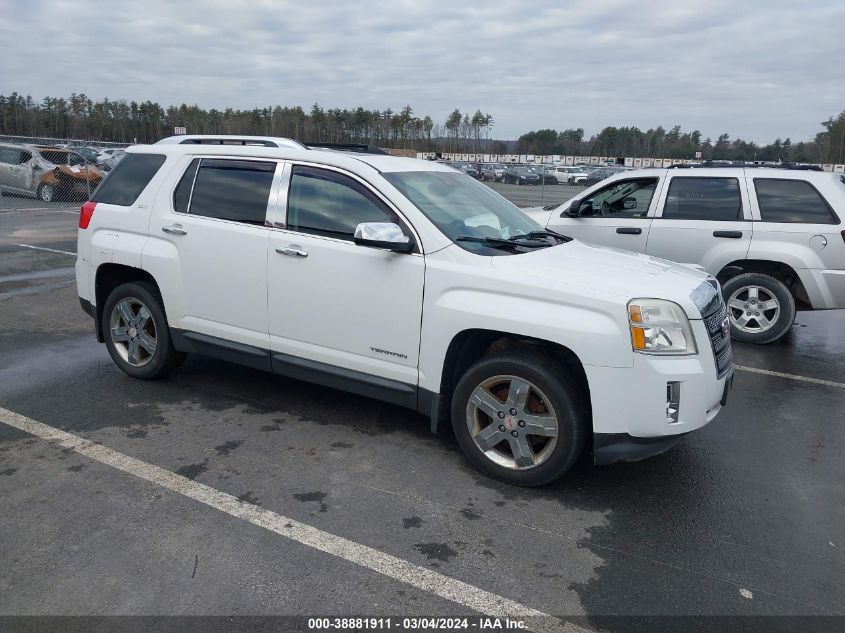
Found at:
(629, 203)
(572, 210)
(386, 235)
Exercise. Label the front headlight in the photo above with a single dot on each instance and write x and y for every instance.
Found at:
(660, 327)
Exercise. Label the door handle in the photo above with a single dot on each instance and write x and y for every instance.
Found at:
(174, 230)
(629, 230)
(731, 234)
(292, 251)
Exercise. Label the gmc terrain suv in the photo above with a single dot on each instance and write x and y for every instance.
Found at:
(406, 281)
(773, 237)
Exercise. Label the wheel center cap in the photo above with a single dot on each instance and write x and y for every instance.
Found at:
(133, 332)
(510, 422)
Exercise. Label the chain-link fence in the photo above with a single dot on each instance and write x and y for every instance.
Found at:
(50, 172)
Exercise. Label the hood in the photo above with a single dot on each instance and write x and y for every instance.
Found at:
(613, 271)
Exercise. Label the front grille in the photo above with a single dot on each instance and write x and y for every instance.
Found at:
(720, 342)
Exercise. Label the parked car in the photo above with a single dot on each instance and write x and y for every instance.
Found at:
(546, 174)
(469, 170)
(520, 175)
(89, 154)
(488, 172)
(249, 250)
(570, 175)
(48, 173)
(772, 237)
(600, 173)
(109, 157)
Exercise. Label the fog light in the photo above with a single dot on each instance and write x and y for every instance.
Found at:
(673, 401)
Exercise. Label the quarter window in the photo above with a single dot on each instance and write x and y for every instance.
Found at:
(323, 202)
(703, 199)
(182, 194)
(236, 190)
(128, 179)
(795, 201)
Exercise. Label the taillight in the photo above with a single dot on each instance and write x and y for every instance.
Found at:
(86, 213)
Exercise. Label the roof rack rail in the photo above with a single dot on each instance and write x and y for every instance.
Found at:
(227, 139)
(358, 148)
(742, 165)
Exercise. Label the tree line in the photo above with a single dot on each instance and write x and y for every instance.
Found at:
(828, 146)
(81, 117)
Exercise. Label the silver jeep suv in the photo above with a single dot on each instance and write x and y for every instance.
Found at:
(773, 237)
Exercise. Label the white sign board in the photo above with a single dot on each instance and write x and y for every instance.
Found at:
(178, 131)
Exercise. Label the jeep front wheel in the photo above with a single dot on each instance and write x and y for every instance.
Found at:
(518, 419)
(760, 307)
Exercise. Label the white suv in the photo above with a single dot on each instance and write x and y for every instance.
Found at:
(402, 280)
(773, 237)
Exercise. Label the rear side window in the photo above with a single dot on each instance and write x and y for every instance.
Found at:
(9, 156)
(236, 190)
(324, 202)
(128, 179)
(795, 201)
(703, 199)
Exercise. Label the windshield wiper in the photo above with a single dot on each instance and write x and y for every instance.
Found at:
(497, 242)
(552, 207)
(541, 234)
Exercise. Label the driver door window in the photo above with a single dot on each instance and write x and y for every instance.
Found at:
(618, 214)
(625, 199)
(324, 202)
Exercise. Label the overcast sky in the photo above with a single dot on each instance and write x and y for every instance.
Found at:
(755, 69)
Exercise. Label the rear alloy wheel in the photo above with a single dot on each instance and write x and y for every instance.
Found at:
(517, 419)
(136, 332)
(760, 307)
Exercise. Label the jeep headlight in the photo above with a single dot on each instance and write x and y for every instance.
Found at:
(660, 327)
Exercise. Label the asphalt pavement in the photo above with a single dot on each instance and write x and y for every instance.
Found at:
(743, 518)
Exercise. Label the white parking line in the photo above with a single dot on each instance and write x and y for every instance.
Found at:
(399, 569)
(44, 248)
(778, 374)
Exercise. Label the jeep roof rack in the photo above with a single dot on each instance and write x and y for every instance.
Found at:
(226, 139)
(358, 148)
(743, 165)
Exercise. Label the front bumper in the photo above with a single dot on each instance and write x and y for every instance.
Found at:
(630, 404)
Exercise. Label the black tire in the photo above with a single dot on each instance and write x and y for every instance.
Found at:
(566, 400)
(781, 319)
(164, 358)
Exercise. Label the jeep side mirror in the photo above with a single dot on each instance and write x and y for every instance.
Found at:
(572, 210)
(386, 235)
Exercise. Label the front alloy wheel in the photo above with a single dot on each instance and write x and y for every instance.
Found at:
(512, 422)
(133, 332)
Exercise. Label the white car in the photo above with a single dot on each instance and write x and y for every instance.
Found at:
(570, 175)
(403, 280)
(773, 237)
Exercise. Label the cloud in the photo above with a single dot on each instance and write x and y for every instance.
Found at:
(754, 69)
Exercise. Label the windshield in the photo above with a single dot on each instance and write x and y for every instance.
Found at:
(462, 207)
